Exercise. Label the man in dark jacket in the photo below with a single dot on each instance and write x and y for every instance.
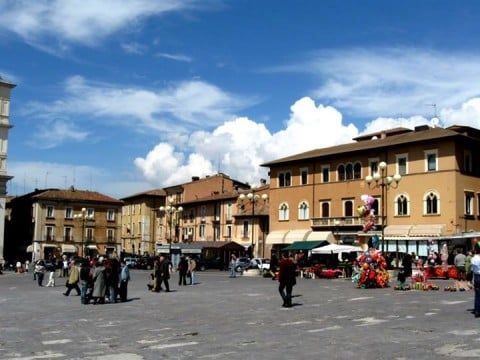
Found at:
(286, 278)
(164, 272)
(182, 271)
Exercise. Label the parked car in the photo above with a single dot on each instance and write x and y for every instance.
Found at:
(130, 262)
(262, 264)
(145, 263)
(211, 263)
(242, 263)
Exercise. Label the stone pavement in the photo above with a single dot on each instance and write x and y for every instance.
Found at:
(241, 318)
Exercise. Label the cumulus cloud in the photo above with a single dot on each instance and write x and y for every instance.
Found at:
(239, 146)
(51, 24)
(176, 108)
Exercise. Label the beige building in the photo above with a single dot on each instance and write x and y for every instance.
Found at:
(141, 229)
(49, 223)
(5, 89)
(315, 195)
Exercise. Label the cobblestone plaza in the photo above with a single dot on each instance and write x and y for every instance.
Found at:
(238, 318)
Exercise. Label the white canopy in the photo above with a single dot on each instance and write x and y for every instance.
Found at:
(335, 249)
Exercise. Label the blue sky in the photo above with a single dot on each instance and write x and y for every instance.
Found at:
(124, 96)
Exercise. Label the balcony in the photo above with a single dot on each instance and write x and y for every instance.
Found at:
(343, 222)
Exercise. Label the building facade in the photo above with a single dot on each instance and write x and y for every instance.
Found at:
(5, 89)
(48, 223)
(316, 195)
(140, 230)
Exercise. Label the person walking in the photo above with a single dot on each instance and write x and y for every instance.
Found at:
(112, 271)
(192, 266)
(231, 267)
(286, 279)
(39, 272)
(99, 286)
(475, 266)
(164, 266)
(459, 262)
(468, 267)
(65, 268)
(182, 271)
(84, 281)
(73, 279)
(124, 279)
(51, 279)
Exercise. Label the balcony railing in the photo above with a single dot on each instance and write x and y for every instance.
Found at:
(346, 221)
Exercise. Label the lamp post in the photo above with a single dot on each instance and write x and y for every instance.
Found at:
(84, 216)
(253, 199)
(381, 180)
(171, 211)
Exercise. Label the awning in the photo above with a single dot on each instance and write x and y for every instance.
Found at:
(67, 248)
(305, 245)
(49, 246)
(276, 237)
(321, 235)
(336, 249)
(30, 248)
(427, 230)
(296, 235)
(397, 230)
(92, 247)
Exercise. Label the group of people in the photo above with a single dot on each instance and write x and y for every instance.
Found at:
(162, 268)
(96, 281)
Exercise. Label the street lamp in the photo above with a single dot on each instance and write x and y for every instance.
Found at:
(253, 199)
(84, 216)
(383, 181)
(171, 211)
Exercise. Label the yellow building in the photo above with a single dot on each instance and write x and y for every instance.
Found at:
(423, 183)
(51, 222)
(141, 229)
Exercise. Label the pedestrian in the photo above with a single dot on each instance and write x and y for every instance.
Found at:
(232, 265)
(475, 266)
(468, 267)
(99, 286)
(407, 264)
(27, 265)
(286, 279)
(19, 267)
(112, 270)
(192, 266)
(459, 262)
(85, 281)
(182, 271)
(39, 272)
(73, 279)
(65, 267)
(155, 275)
(51, 279)
(164, 266)
(124, 279)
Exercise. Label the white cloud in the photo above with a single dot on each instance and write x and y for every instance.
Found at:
(53, 133)
(391, 82)
(174, 109)
(239, 146)
(85, 22)
(133, 48)
(176, 57)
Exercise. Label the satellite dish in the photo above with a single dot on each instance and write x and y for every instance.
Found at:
(434, 122)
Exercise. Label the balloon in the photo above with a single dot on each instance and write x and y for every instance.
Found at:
(361, 210)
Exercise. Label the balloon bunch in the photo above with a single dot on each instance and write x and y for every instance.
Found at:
(367, 212)
(432, 256)
(372, 272)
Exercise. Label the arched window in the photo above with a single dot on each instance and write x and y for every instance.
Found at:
(349, 171)
(348, 208)
(283, 213)
(341, 172)
(303, 211)
(357, 171)
(401, 205)
(432, 203)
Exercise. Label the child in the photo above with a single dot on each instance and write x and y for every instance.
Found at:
(401, 278)
(51, 279)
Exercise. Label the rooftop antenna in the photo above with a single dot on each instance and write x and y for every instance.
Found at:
(435, 120)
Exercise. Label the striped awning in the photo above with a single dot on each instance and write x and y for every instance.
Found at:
(68, 248)
(276, 237)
